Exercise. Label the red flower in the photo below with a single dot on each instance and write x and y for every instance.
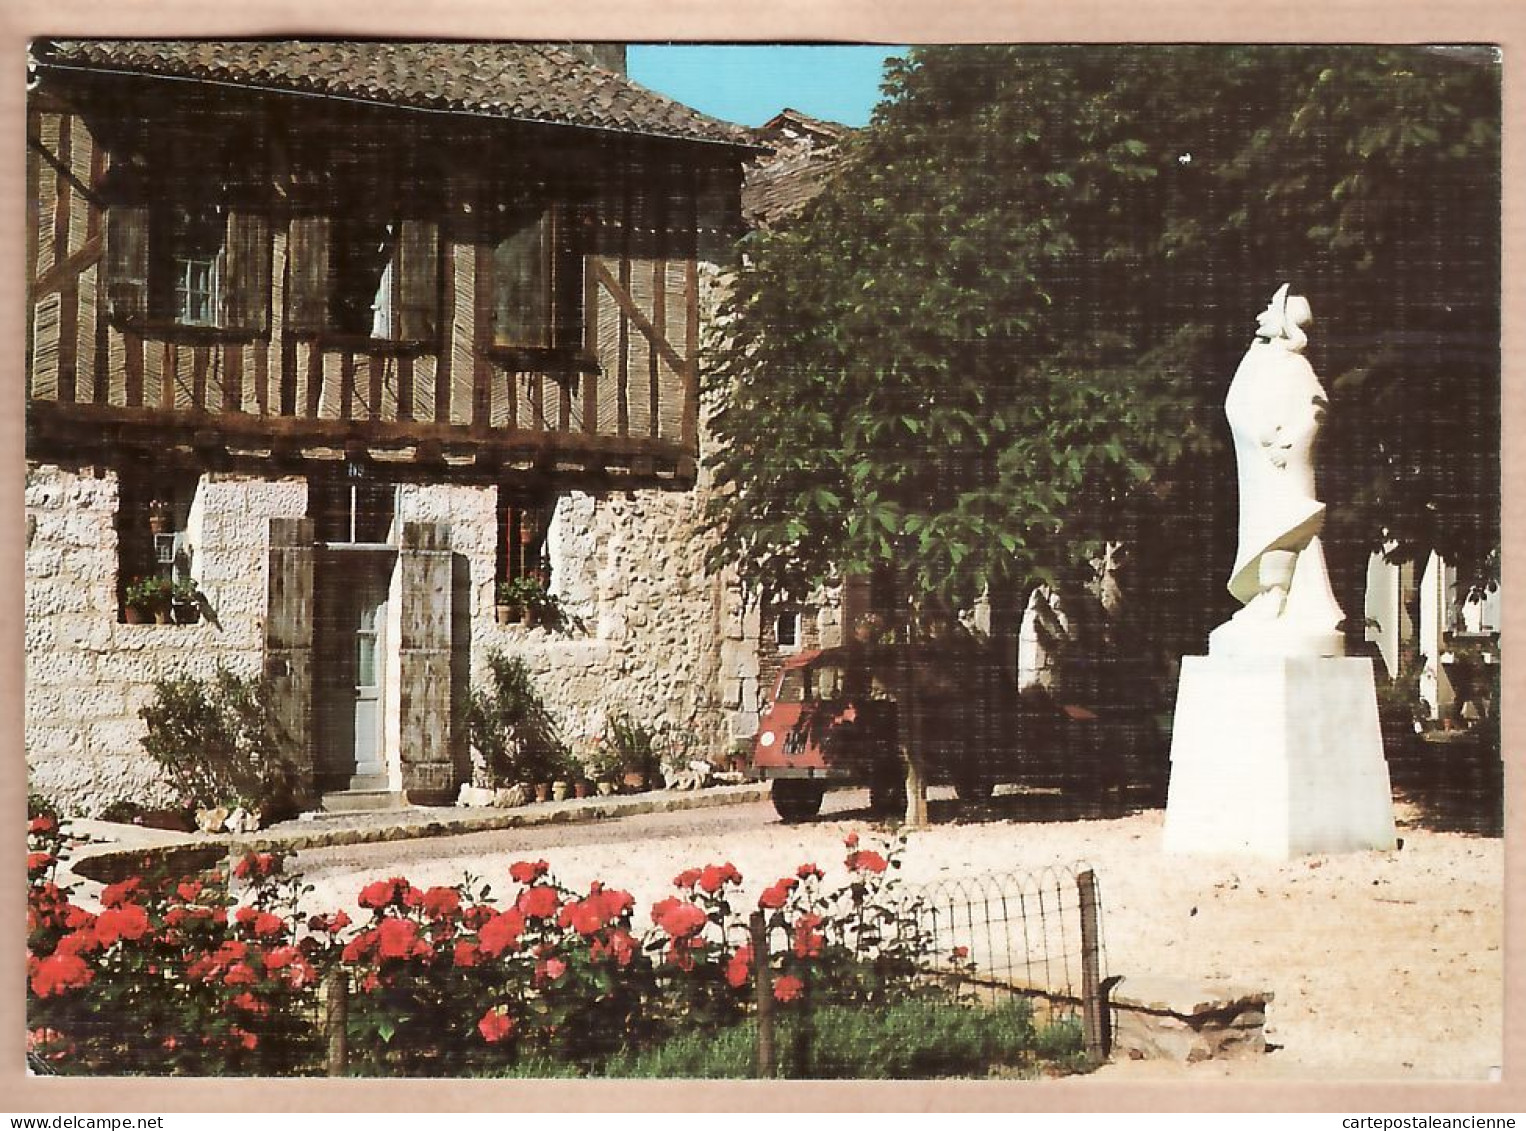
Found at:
(39, 861)
(383, 893)
(501, 933)
(329, 924)
(41, 826)
(129, 922)
(809, 872)
(788, 988)
(525, 872)
(496, 1024)
(240, 974)
(678, 918)
(716, 876)
(188, 890)
(397, 938)
(59, 973)
(959, 952)
(739, 969)
(249, 1003)
(117, 894)
(466, 954)
(279, 957)
(441, 903)
(79, 942)
(775, 897)
(358, 947)
(245, 1038)
(257, 865)
(539, 902)
(866, 861)
(549, 970)
(77, 917)
(591, 915)
(619, 944)
(687, 878)
(851, 840)
(808, 940)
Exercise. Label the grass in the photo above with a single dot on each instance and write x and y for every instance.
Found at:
(911, 1040)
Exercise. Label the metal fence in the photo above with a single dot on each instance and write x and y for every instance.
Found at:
(1038, 934)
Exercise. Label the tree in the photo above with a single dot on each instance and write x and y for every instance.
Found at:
(1005, 329)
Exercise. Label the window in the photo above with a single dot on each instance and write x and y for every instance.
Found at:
(787, 631)
(357, 275)
(524, 519)
(351, 507)
(196, 264)
(537, 280)
(153, 508)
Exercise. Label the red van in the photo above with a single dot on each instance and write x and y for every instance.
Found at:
(834, 718)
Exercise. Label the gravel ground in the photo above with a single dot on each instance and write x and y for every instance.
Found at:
(1385, 966)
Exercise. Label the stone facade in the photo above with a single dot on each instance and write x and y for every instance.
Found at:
(643, 633)
(87, 675)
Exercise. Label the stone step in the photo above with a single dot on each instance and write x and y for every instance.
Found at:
(363, 801)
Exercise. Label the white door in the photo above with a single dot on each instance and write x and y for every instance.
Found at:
(350, 653)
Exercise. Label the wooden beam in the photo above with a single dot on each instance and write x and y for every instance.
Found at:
(377, 364)
(78, 423)
(68, 339)
(68, 269)
(590, 344)
(233, 376)
(619, 288)
(405, 386)
(689, 436)
(627, 308)
(483, 370)
(659, 333)
(262, 377)
(199, 359)
(132, 349)
(346, 385)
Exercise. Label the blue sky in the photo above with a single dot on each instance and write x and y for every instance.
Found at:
(750, 84)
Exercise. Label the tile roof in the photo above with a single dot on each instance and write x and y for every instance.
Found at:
(532, 82)
(807, 153)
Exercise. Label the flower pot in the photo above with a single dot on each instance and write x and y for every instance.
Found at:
(606, 788)
(530, 617)
(186, 614)
(161, 616)
(580, 789)
(633, 780)
(560, 790)
(505, 613)
(132, 615)
(542, 791)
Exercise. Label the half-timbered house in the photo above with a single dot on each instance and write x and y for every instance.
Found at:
(351, 333)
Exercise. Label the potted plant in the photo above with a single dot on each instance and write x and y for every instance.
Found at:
(148, 598)
(636, 745)
(528, 594)
(185, 601)
(508, 607)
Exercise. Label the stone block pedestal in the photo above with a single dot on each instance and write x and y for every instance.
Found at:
(1277, 756)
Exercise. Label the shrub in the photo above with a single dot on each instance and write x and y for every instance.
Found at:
(216, 740)
(510, 726)
(635, 743)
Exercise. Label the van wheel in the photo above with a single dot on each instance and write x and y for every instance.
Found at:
(796, 799)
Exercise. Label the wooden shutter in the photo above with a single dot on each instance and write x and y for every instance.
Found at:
(307, 288)
(246, 272)
(416, 281)
(567, 298)
(522, 284)
(127, 261)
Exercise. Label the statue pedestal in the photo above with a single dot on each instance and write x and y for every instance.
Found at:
(1277, 756)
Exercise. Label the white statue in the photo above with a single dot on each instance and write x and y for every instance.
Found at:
(1275, 406)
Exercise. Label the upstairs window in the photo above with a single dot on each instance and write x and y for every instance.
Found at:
(357, 275)
(196, 264)
(537, 282)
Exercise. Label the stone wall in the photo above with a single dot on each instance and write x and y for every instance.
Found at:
(640, 632)
(87, 675)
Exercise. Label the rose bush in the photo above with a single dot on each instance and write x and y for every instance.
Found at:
(217, 974)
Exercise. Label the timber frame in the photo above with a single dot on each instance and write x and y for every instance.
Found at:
(616, 397)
